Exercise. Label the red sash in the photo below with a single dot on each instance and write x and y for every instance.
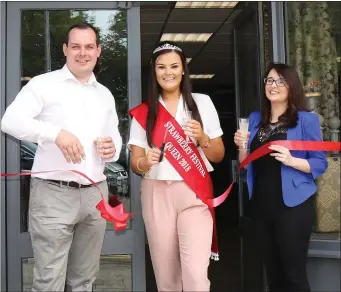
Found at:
(184, 157)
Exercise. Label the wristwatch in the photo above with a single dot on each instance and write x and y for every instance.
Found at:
(207, 143)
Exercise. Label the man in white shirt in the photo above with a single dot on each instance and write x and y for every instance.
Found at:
(64, 112)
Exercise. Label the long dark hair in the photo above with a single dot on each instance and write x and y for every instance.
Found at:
(296, 97)
(154, 90)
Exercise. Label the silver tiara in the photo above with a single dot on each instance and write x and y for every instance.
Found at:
(166, 47)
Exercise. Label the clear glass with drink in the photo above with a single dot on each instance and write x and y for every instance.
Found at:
(99, 145)
(244, 128)
(185, 120)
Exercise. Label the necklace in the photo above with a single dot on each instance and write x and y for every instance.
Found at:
(271, 129)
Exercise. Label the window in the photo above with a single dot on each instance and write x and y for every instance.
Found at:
(313, 41)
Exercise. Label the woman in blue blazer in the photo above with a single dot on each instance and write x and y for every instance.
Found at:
(281, 184)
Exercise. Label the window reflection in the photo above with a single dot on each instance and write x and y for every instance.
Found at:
(32, 44)
(115, 274)
(41, 52)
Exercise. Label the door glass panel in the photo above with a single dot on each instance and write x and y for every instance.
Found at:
(115, 274)
(33, 63)
(248, 59)
(42, 36)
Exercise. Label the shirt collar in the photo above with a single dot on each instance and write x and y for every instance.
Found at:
(67, 75)
(163, 103)
(181, 109)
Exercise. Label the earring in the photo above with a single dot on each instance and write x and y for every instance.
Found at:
(183, 73)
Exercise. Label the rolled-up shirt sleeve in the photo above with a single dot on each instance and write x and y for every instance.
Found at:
(20, 120)
(137, 135)
(211, 122)
(114, 132)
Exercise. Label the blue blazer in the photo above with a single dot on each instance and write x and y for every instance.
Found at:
(297, 186)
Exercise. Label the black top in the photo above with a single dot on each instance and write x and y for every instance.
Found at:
(267, 188)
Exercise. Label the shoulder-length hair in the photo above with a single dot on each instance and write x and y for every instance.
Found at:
(297, 101)
(155, 90)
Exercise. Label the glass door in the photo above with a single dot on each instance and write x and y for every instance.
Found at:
(36, 32)
(248, 75)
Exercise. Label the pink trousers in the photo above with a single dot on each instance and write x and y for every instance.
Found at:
(179, 229)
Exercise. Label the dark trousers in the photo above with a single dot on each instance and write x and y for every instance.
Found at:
(282, 237)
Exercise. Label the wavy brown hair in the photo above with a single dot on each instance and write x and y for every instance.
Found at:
(155, 90)
(297, 101)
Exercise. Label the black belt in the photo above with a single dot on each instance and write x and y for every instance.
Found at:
(71, 184)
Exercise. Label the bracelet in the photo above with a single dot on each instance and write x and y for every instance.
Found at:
(207, 142)
(139, 169)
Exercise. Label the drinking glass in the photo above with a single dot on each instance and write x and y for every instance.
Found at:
(185, 120)
(244, 128)
(99, 141)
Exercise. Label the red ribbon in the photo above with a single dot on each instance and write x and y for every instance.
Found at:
(264, 150)
(112, 211)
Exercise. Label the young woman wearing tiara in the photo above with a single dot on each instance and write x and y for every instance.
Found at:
(173, 137)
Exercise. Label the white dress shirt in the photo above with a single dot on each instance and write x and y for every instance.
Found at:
(57, 100)
(211, 127)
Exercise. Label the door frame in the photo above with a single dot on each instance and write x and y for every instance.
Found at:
(278, 31)
(2, 149)
(244, 15)
(244, 221)
(19, 246)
